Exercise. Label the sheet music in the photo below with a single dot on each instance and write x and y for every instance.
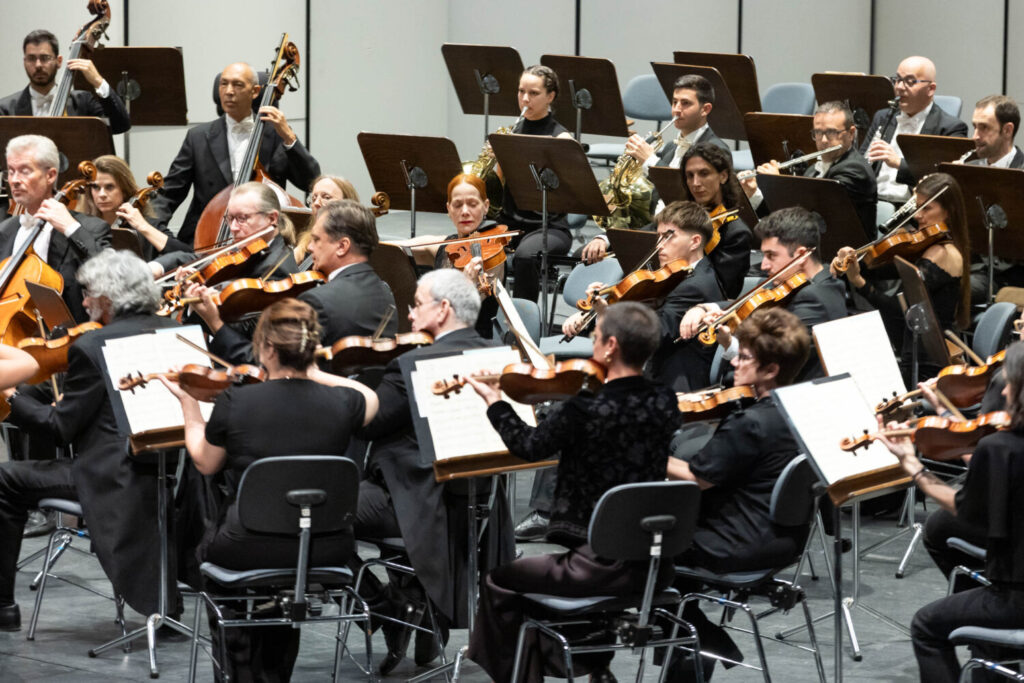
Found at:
(459, 424)
(821, 414)
(859, 345)
(533, 351)
(153, 406)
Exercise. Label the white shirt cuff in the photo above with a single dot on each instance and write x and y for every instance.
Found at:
(103, 92)
(732, 351)
(756, 199)
(71, 230)
(294, 142)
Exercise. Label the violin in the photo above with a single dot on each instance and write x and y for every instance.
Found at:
(903, 243)
(351, 354)
(487, 244)
(964, 385)
(212, 228)
(248, 295)
(713, 403)
(141, 198)
(938, 438)
(52, 354)
(719, 217)
(526, 383)
(199, 381)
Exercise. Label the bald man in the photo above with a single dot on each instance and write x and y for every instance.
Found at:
(915, 85)
(211, 153)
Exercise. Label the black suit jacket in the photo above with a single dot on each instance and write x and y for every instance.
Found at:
(66, 254)
(117, 492)
(855, 175)
(820, 300)
(204, 166)
(731, 258)
(432, 523)
(685, 366)
(80, 103)
(937, 122)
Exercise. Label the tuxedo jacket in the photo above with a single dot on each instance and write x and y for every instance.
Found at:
(80, 103)
(937, 122)
(203, 165)
(66, 254)
(855, 175)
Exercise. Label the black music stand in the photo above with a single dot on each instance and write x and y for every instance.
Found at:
(79, 138)
(630, 246)
(827, 197)
(414, 170)
(737, 70)
(480, 71)
(726, 117)
(778, 136)
(864, 94)
(395, 266)
(670, 185)
(593, 92)
(548, 175)
(150, 80)
(993, 198)
(924, 153)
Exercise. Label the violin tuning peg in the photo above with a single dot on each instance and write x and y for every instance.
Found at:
(866, 432)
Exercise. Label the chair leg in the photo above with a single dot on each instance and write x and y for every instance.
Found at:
(813, 637)
(194, 648)
(47, 564)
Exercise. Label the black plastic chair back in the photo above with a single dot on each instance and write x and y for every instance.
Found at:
(615, 527)
(262, 76)
(793, 498)
(262, 507)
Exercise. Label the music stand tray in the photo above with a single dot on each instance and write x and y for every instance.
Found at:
(924, 153)
(726, 117)
(983, 186)
(395, 266)
(916, 294)
(867, 93)
(79, 138)
(498, 67)
(737, 70)
(591, 88)
(629, 246)
(386, 155)
(778, 136)
(150, 80)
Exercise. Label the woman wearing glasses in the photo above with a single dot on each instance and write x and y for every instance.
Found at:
(326, 188)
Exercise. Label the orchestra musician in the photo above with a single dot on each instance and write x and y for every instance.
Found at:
(116, 494)
(996, 120)
(785, 235)
(833, 125)
(354, 299)
(400, 495)
(208, 159)
(918, 114)
(942, 266)
(618, 436)
(326, 188)
(42, 60)
(297, 409)
(538, 87)
(987, 502)
(108, 199)
(737, 470)
(69, 237)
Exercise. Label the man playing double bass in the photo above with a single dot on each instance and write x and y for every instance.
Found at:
(209, 157)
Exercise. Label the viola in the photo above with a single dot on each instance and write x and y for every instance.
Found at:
(642, 285)
(353, 353)
(212, 228)
(199, 381)
(491, 248)
(248, 295)
(713, 403)
(52, 354)
(719, 217)
(525, 383)
(938, 438)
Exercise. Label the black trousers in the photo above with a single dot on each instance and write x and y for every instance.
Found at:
(22, 485)
(930, 629)
(525, 265)
(942, 525)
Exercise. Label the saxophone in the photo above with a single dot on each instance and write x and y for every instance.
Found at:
(483, 167)
(627, 191)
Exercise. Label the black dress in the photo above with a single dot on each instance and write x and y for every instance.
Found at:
(277, 417)
(619, 436)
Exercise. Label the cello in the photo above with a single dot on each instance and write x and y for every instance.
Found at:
(212, 228)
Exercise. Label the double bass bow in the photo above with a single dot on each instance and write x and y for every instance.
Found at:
(212, 227)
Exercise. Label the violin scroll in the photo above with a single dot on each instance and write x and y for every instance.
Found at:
(381, 204)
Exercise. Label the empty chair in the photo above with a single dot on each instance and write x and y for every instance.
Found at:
(643, 99)
(951, 104)
(788, 98)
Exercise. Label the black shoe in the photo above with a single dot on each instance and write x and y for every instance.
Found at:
(39, 524)
(532, 528)
(426, 647)
(397, 636)
(602, 675)
(10, 617)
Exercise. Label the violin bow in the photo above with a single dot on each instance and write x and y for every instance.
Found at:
(384, 322)
(200, 349)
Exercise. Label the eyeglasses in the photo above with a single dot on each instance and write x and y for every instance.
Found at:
(745, 357)
(418, 304)
(907, 81)
(321, 196)
(241, 218)
(42, 59)
(829, 134)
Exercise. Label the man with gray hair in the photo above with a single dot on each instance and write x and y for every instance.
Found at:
(67, 237)
(115, 492)
(210, 156)
(400, 496)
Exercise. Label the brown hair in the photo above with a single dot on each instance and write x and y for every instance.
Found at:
(636, 328)
(687, 216)
(776, 336)
(720, 160)
(123, 178)
(1014, 371)
(291, 328)
(467, 179)
(952, 201)
(546, 74)
(349, 218)
(348, 190)
(1005, 109)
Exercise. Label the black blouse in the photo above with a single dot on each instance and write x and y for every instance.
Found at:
(527, 221)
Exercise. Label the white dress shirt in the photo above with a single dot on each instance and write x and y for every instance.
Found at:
(888, 188)
(41, 104)
(239, 133)
(42, 244)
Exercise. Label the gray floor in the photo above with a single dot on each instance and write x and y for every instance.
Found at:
(72, 621)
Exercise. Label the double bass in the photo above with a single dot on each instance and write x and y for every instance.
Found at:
(84, 42)
(212, 228)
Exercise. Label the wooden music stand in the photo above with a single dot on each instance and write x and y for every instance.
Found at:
(395, 266)
(921, 318)
(778, 136)
(737, 70)
(150, 80)
(670, 185)
(864, 94)
(550, 176)
(414, 170)
(486, 79)
(593, 90)
(630, 246)
(79, 138)
(726, 117)
(924, 153)
(827, 197)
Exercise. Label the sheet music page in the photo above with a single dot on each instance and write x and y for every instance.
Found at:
(860, 346)
(459, 424)
(533, 351)
(153, 406)
(824, 412)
